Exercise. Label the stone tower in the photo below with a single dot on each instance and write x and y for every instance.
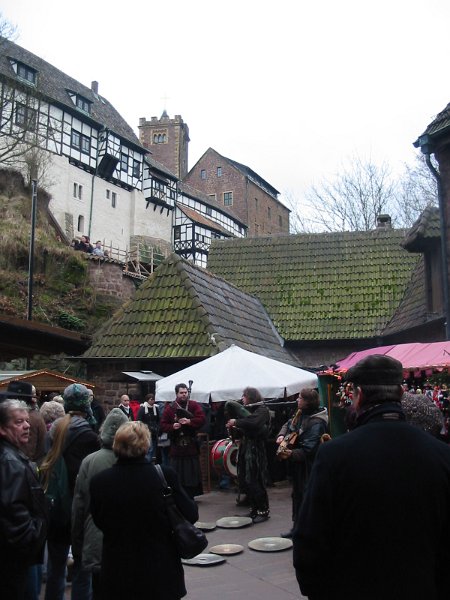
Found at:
(168, 140)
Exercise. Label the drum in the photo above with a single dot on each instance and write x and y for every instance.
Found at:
(216, 457)
(223, 457)
(230, 458)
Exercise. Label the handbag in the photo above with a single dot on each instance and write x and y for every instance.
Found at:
(189, 540)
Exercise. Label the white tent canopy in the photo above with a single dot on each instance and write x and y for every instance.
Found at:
(224, 376)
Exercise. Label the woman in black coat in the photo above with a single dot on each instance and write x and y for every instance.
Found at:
(139, 558)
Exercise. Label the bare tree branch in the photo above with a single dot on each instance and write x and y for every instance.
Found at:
(359, 193)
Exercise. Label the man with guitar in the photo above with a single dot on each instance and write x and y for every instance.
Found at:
(298, 441)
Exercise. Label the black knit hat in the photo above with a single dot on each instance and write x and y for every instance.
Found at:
(376, 369)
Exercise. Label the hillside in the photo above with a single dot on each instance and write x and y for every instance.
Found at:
(62, 295)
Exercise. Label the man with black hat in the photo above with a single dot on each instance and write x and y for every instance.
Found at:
(375, 521)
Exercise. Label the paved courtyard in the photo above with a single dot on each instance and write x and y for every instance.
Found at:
(252, 575)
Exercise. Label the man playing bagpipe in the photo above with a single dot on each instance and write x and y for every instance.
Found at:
(181, 420)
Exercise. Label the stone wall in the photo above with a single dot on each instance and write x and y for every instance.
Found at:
(106, 277)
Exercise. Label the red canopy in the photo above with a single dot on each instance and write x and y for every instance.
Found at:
(414, 357)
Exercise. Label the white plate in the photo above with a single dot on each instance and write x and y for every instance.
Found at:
(204, 560)
(270, 544)
(231, 522)
(227, 549)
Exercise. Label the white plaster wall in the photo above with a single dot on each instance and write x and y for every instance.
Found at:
(113, 225)
(149, 222)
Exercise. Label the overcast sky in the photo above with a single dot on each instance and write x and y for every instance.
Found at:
(291, 89)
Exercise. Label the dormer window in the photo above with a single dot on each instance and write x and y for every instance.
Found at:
(83, 104)
(80, 102)
(26, 73)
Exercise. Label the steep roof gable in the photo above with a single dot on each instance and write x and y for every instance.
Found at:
(54, 85)
(321, 286)
(426, 228)
(183, 311)
(438, 126)
(244, 170)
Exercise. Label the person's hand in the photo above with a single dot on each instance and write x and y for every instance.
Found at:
(280, 438)
(231, 423)
(184, 421)
(284, 454)
(177, 425)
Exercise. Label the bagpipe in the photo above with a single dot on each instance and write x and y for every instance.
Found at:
(183, 413)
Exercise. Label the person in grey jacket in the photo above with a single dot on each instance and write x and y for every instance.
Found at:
(87, 539)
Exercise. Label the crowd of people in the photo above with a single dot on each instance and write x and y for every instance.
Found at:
(83, 244)
(62, 503)
(379, 493)
(426, 403)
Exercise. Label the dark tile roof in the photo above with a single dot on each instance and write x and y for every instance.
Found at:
(154, 164)
(196, 217)
(53, 85)
(252, 175)
(426, 228)
(183, 311)
(439, 124)
(412, 310)
(321, 286)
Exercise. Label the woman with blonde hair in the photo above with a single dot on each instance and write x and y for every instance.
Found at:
(139, 559)
(72, 438)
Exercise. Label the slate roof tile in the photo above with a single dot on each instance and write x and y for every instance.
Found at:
(53, 84)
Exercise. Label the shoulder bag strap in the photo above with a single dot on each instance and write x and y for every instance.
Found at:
(167, 491)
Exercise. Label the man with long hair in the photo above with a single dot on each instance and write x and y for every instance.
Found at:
(298, 441)
(72, 440)
(252, 468)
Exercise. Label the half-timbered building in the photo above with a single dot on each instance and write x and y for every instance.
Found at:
(102, 181)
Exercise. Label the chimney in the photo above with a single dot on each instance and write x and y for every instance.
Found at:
(384, 222)
(94, 87)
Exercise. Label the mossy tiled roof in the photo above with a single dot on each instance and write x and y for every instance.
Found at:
(412, 311)
(426, 228)
(321, 286)
(183, 311)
